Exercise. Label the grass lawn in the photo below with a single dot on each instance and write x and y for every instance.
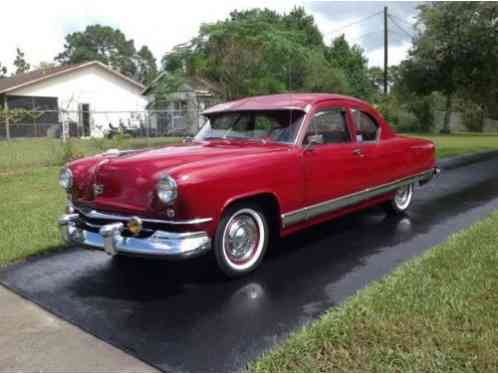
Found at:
(437, 313)
(31, 202)
(459, 144)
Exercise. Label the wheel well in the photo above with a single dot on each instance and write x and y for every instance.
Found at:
(269, 204)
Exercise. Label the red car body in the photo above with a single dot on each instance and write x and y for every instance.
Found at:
(304, 185)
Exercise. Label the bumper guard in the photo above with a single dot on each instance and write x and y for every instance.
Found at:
(163, 244)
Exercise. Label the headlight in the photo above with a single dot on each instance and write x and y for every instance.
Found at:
(166, 189)
(66, 179)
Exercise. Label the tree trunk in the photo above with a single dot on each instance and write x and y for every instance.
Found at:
(447, 116)
(483, 118)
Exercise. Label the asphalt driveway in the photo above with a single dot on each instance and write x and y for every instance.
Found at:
(186, 317)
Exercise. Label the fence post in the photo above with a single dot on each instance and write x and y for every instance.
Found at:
(7, 124)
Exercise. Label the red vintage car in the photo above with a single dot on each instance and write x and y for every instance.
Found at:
(259, 167)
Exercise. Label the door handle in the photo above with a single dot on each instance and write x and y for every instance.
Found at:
(357, 152)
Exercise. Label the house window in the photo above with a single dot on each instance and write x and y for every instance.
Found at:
(181, 105)
(45, 109)
(44, 115)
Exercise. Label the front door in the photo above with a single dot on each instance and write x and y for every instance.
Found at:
(334, 168)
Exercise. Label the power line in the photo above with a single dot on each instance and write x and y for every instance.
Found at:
(401, 28)
(398, 34)
(401, 19)
(354, 23)
(366, 35)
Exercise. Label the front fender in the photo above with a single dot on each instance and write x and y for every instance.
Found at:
(205, 190)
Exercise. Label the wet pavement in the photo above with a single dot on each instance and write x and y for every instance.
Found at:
(185, 316)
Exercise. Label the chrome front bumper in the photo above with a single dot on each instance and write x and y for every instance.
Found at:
(159, 244)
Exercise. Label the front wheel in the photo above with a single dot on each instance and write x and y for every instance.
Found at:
(401, 201)
(241, 239)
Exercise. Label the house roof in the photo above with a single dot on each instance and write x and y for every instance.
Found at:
(35, 76)
(288, 101)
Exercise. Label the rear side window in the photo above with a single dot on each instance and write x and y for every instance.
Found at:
(331, 124)
(367, 128)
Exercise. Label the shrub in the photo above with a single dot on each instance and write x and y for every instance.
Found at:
(67, 152)
(472, 116)
(388, 106)
(407, 122)
(423, 110)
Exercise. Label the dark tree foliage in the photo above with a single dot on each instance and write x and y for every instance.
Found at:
(111, 47)
(457, 52)
(354, 64)
(146, 66)
(20, 62)
(3, 71)
(260, 51)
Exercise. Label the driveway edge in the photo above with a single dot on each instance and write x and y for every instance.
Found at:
(459, 161)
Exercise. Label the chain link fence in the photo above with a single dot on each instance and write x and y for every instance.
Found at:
(102, 124)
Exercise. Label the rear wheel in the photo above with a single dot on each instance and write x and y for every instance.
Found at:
(241, 239)
(401, 201)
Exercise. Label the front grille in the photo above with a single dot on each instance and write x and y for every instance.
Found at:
(94, 225)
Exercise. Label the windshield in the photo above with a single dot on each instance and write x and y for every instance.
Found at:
(272, 125)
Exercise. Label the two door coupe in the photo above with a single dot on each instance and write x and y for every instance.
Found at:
(259, 167)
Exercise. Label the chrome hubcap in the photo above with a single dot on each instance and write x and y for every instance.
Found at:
(403, 196)
(241, 238)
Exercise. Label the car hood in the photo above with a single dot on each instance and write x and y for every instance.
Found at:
(127, 181)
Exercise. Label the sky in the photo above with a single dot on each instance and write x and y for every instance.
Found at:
(38, 27)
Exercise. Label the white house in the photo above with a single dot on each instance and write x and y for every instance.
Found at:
(89, 96)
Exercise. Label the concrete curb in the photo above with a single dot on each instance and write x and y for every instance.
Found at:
(459, 161)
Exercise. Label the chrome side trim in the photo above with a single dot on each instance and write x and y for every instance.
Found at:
(117, 217)
(328, 206)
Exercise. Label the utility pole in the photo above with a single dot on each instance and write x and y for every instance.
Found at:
(385, 50)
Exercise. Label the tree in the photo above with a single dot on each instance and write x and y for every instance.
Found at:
(3, 71)
(20, 62)
(456, 52)
(259, 51)
(354, 64)
(376, 77)
(146, 66)
(111, 47)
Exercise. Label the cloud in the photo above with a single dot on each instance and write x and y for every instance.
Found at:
(39, 27)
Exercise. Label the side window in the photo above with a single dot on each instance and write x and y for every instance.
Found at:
(367, 128)
(331, 124)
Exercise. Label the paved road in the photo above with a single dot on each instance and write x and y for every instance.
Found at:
(185, 317)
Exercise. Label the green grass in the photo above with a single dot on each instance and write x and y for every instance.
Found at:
(31, 203)
(460, 144)
(437, 313)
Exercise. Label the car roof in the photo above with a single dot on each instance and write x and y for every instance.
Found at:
(287, 101)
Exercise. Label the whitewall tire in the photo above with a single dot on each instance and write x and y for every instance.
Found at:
(401, 200)
(241, 239)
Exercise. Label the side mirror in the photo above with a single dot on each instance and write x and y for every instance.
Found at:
(187, 139)
(314, 140)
